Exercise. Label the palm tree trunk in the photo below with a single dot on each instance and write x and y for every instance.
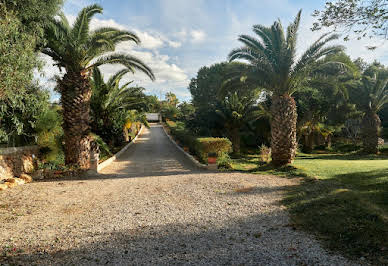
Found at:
(370, 132)
(75, 97)
(283, 129)
(309, 143)
(235, 137)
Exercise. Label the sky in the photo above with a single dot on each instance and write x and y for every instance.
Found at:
(180, 36)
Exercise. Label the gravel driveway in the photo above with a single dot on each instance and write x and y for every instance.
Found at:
(152, 207)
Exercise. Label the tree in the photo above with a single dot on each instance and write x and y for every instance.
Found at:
(33, 14)
(171, 99)
(169, 111)
(153, 104)
(18, 58)
(323, 104)
(21, 27)
(186, 111)
(273, 66)
(78, 51)
(236, 110)
(363, 18)
(133, 118)
(204, 89)
(110, 103)
(19, 114)
(371, 94)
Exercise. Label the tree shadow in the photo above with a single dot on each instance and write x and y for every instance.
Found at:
(349, 212)
(265, 239)
(345, 157)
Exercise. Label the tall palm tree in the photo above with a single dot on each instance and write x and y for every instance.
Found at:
(236, 110)
(171, 99)
(274, 67)
(371, 94)
(78, 50)
(110, 99)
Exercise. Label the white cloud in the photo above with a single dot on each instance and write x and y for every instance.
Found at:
(174, 44)
(197, 36)
(181, 35)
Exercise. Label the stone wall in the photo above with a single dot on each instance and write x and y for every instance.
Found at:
(16, 161)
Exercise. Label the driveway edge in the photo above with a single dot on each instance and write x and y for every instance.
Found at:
(114, 157)
(189, 156)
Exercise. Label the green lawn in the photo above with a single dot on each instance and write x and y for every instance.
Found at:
(343, 199)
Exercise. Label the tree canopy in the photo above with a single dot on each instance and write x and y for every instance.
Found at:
(359, 17)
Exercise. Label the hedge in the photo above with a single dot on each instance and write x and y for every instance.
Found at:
(200, 146)
(206, 146)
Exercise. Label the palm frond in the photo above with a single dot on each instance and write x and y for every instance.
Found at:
(130, 62)
(80, 29)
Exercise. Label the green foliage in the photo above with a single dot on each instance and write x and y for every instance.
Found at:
(153, 104)
(204, 146)
(272, 57)
(113, 104)
(204, 89)
(75, 48)
(198, 145)
(265, 153)
(18, 58)
(362, 18)
(236, 110)
(21, 27)
(104, 148)
(169, 111)
(19, 113)
(370, 93)
(33, 14)
(171, 99)
(50, 134)
(186, 111)
(224, 161)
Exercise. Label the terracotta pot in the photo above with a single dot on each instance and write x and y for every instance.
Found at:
(212, 160)
(186, 149)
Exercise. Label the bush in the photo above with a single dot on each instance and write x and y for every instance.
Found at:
(199, 146)
(265, 153)
(224, 161)
(204, 146)
(50, 135)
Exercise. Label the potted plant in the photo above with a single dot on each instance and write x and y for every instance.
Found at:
(212, 158)
(186, 149)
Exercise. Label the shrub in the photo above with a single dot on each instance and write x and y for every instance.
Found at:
(199, 146)
(265, 153)
(224, 161)
(204, 146)
(50, 134)
(171, 124)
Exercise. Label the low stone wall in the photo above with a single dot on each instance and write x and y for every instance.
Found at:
(16, 161)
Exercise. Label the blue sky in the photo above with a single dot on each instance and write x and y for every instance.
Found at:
(180, 36)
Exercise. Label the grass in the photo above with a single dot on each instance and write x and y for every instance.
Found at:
(343, 200)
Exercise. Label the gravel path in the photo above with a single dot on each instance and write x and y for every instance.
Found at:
(152, 207)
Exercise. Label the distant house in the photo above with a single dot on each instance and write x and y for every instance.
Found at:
(154, 117)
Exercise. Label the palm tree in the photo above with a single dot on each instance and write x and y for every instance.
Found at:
(111, 101)
(236, 110)
(171, 99)
(273, 67)
(78, 50)
(133, 121)
(371, 94)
